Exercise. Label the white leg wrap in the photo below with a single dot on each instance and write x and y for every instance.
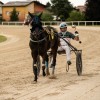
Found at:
(43, 64)
(35, 65)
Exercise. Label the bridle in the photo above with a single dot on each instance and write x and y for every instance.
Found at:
(36, 30)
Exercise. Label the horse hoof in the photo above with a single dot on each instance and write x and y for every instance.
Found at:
(44, 74)
(51, 66)
(53, 77)
(47, 73)
(34, 82)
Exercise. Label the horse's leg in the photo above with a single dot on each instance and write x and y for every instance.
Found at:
(43, 65)
(34, 56)
(54, 55)
(46, 64)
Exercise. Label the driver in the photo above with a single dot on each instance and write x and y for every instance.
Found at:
(67, 36)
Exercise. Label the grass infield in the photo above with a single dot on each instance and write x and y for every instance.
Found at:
(2, 38)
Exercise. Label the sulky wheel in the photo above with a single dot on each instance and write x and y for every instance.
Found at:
(79, 63)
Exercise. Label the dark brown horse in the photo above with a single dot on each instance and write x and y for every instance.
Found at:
(41, 40)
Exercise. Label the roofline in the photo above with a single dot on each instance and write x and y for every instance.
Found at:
(1, 2)
(24, 5)
(39, 3)
(14, 6)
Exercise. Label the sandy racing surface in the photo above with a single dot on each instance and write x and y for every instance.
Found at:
(16, 74)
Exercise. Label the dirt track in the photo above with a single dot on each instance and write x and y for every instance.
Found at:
(16, 74)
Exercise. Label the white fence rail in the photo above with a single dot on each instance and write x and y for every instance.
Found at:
(78, 23)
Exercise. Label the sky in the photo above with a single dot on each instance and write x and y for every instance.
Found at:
(74, 2)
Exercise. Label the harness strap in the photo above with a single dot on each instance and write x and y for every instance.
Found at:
(50, 33)
(38, 40)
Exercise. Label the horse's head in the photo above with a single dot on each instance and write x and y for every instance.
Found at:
(33, 19)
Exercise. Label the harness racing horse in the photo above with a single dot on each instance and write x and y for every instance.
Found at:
(41, 40)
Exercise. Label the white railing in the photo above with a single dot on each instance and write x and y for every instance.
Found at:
(12, 23)
(78, 23)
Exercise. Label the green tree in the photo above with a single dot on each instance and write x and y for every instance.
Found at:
(76, 16)
(92, 10)
(61, 8)
(14, 15)
(48, 4)
(48, 7)
(46, 16)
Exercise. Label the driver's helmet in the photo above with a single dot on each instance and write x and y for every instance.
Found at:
(63, 25)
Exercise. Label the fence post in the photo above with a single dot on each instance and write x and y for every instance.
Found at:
(93, 23)
(78, 23)
(72, 23)
(85, 23)
(44, 23)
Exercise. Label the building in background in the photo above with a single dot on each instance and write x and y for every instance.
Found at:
(1, 3)
(22, 7)
(81, 8)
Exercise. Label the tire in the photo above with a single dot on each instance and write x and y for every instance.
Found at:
(38, 65)
(79, 63)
